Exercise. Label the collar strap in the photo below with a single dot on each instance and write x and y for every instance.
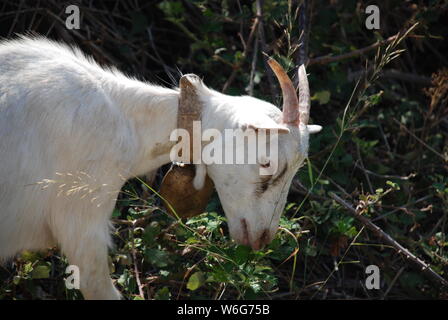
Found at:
(190, 107)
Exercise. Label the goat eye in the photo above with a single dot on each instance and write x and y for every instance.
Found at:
(266, 165)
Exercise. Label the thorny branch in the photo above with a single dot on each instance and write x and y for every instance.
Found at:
(330, 58)
(237, 67)
(424, 267)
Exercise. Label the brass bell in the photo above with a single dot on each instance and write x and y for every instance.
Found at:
(178, 192)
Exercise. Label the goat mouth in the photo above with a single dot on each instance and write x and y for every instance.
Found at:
(259, 243)
(245, 232)
(264, 239)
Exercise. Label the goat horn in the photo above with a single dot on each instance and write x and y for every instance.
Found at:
(304, 96)
(290, 100)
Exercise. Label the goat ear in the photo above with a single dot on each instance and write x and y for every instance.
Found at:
(314, 128)
(280, 129)
(266, 124)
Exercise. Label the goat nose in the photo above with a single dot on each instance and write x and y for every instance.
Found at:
(245, 240)
(261, 241)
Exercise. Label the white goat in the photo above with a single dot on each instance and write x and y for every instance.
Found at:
(72, 132)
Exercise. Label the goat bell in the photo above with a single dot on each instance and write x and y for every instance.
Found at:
(178, 192)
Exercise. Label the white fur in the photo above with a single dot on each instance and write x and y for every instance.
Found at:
(71, 134)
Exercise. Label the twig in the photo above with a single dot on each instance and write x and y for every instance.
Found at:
(394, 74)
(361, 166)
(302, 55)
(302, 51)
(404, 207)
(250, 88)
(80, 36)
(237, 67)
(186, 276)
(330, 58)
(137, 273)
(16, 17)
(298, 187)
(436, 52)
(385, 176)
(264, 48)
(393, 282)
(445, 158)
(386, 142)
(140, 222)
(408, 77)
(425, 268)
(169, 71)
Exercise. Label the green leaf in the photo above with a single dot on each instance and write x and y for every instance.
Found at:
(164, 273)
(323, 97)
(172, 8)
(30, 256)
(310, 250)
(28, 268)
(124, 279)
(255, 286)
(163, 294)
(116, 213)
(151, 232)
(394, 185)
(196, 280)
(218, 275)
(40, 272)
(158, 257)
(242, 254)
